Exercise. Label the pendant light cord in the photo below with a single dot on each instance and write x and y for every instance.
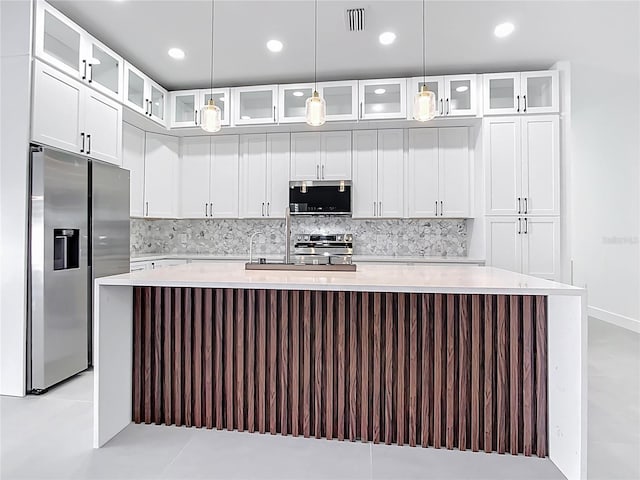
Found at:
(424, 44)
(211, 77)
(315, 47)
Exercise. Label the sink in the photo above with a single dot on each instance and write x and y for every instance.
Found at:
(301, 267)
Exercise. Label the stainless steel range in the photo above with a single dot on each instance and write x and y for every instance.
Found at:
(317, 249)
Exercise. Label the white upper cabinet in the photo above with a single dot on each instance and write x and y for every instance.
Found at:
(255, 105)
(133, 145)
(521, 93)
(456, 95)
(144, 95)
(522, 157)
(321, 156)
(378, 174)
(291, 102)
(341, 98)
(225, 168)
(264, 175)
(161, 175)
(186, 106)
(66, 46)
(195, 165)
(439, 181)
(92, 122)
(383, 99)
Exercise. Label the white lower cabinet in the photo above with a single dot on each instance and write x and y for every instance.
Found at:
(378, 174)
(161, 176)
(264, 175)
(529, 245)
(133, 145)
(70, 116)
(439, 179)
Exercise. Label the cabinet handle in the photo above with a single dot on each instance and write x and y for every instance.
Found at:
(519, 207)
(518, 101)
(436, 208)
(151, 108)
(82, 137)
(88, 144)
(379, 209)
(519, 226)
(146, 106)
(90, 72)
(147, 205)
(524, 97)
(206, 214)
(526, 205)
(441, 209)
(375, 209)
(274, 114)
(441, 107)
(526, 226)
(447, 106)
(323, 172)
(360, 109)
(263, 209)
(211, 209)
(195, 117)
(318, 172)
(268, 209)
(84, 74)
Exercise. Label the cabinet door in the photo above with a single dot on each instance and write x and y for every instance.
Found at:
(253, 171)
(541, 247)
(341, 98)
(135, 93)
(157, 102)
(195, 163)
(103, 127)
(161, 176)
(255, 105)
(291, 100)
(58, 40)
(454, 172)
(422, 179)
(335, 156)
(305, 156)
(391, 173)
(278, 159)
(104, 69)
(221, 97)
(540, 165)
(133, 144)
(461, 92)
(364, 192)
(434, 84)
(503, 166)
(185, 108)
(504, 243)
(540, 92)
(225, 168)
(57, 109)
(381, 99)
(501, 93)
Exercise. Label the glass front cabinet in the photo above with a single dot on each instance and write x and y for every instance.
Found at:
(341, 99)
(383, 99)
(144, 95)
(186, 106)
(456, 95)
(66, 46)
(521, 93)
(255, 105)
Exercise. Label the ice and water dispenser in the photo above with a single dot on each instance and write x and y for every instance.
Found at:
(66, 248)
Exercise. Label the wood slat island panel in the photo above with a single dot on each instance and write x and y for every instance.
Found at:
(443, 370)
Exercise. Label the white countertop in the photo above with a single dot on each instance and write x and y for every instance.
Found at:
(369, 277)
(356, 258)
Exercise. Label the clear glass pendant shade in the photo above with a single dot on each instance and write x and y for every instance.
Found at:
(211, 117)
(424, 105)
(315, 110)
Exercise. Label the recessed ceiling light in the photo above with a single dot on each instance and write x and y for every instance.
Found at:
(387, 38)
(274, 45)
(297, 93)
(504, 29)
(461, 89)
(176, 53)
(245, 117)
(379, 91)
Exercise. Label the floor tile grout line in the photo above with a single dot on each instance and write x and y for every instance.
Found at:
(191, 438)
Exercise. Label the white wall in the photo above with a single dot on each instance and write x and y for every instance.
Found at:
(15, 82)
(604, 171)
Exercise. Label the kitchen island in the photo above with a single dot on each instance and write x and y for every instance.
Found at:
(460, 357)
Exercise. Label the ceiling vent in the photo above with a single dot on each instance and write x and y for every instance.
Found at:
(355, 19)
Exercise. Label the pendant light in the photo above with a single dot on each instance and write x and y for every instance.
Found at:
(315, 106)
(424, 103)
(210, 114)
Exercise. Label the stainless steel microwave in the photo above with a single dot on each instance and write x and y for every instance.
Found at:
(320, 197)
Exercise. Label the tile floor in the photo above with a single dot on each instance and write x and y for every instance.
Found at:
(50, 436)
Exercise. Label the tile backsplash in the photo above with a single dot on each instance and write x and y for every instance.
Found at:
(392, 237)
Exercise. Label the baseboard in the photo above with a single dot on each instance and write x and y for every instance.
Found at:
(614, 318)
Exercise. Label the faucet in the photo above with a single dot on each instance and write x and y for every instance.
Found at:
(287, 234)
(251, 245)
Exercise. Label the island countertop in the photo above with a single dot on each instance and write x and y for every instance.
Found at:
(383, 278)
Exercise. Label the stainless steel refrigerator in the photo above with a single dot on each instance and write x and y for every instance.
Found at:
(79, 231)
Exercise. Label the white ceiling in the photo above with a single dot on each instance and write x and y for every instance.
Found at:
(459, 37)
